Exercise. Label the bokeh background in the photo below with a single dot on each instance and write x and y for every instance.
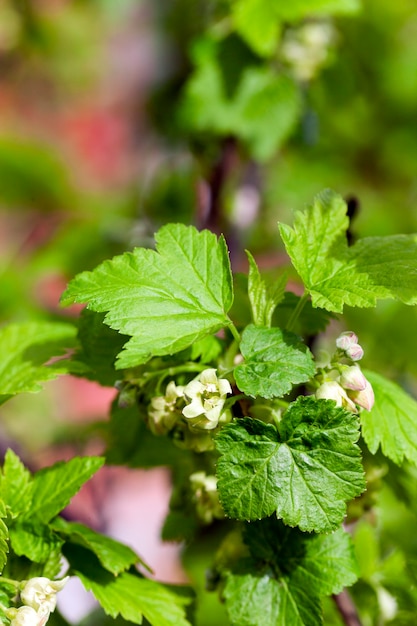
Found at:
(119, 116)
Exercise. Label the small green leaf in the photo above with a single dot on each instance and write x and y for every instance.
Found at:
(165, 300)
(26, 348)
(392, 421)
(15, 485)
(53, 487)
(263, 298)
(286, 574)
(274, 361)
(305, 472)
(113, 556)
(35, 541)
(335, 274)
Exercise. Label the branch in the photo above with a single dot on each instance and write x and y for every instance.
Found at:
(347, 609)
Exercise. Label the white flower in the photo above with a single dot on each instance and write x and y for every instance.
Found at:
(24, 616)
(206, 497)
(206, 396)
(40, 593)
(163, 412)
(331, 390)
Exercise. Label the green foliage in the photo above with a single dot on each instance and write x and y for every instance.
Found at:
(128, 595)
(186, 284)
(305, 471)
(262, 112)
(4, 535)
(335, 274)
(263, 297)
(274, 362)
(112, 555)
(27, 348)
(285, 574)
(54, 486)
(392, 422)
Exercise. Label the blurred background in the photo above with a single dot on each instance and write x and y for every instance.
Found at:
(117, 117)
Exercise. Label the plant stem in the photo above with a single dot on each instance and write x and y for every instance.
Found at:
(296, 312)
(347, 609)
(234, 331)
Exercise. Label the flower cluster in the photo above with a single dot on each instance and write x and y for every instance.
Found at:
(205, 496)
(306, 49)
(38, 596)
(189, 412)
(344, 382)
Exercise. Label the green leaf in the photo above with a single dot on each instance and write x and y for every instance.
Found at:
(36, 541)
(166, 299)
(335, 274)
(392, 421)
(132, 597)
(26, 348)
(275, 360)
(113, 556)
(53, 487)
(262, 113)
(263, 298)
(15, 485)
(299, 9)
(286, 575)
(99, 348)
(257, 23)
(4, 535)
(305, 472)
(128, 595)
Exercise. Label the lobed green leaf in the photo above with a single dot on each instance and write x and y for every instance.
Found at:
(335, 274)
(275, 360)
(286, 575)
(392, 421)
(165, 300)
(304, 472)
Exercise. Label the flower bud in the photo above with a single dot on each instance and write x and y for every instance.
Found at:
(354, 352)
(364, 398)
(352, 378)
(346, 339)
